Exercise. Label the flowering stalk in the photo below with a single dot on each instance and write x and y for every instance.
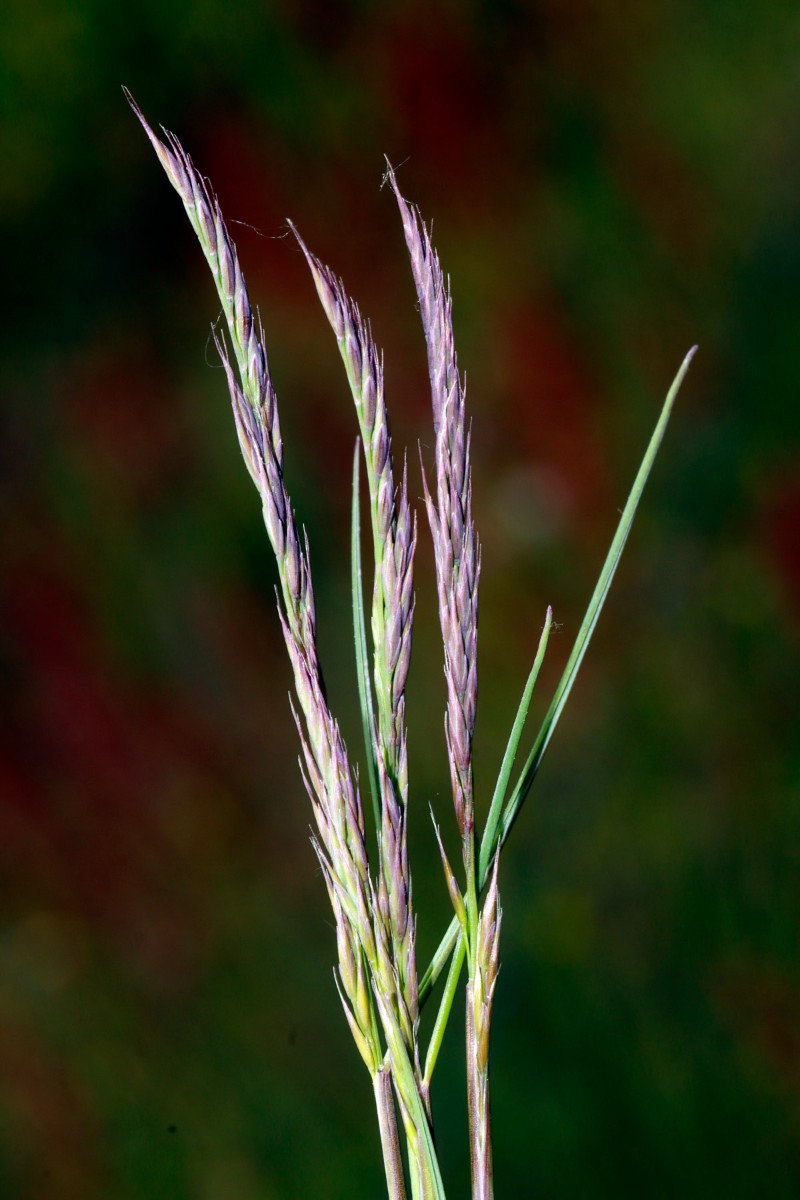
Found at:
(457, 558)
(480, 994)
(394, 541)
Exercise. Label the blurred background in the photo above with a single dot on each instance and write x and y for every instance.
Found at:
(609, 183)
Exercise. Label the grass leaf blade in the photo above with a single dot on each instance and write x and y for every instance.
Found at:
(495, 809)
(445, 1007)
(589, 621)
(439, 961)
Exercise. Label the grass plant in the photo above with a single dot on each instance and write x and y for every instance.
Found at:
(370, 888)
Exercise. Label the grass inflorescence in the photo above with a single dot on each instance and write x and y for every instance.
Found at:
(380, 988)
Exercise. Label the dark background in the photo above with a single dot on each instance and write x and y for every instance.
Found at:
(609, 183)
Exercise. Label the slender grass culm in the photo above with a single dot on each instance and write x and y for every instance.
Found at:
(380, 987)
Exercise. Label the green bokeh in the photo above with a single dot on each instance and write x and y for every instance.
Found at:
(609, 184)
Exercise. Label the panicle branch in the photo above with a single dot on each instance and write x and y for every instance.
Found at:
(394, 543)
(456, 549)
(375, 931)
(326, 769)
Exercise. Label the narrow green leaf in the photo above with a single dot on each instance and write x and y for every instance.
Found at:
(586, 630)
(488, 845)
(498, 799)
(360, 634)
(454, 936)
(439, 961)
(445, 1007)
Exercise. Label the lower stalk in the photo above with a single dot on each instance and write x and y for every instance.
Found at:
(387, 1123)
(480, 1142)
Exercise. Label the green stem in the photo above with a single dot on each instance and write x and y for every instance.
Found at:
(362, 654)
(471, 899)
(412, 1105)
(480, 1144)
(472, 1094)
